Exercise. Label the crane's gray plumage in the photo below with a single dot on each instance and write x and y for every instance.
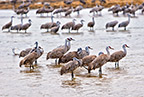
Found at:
(77, 9)
(8, 25)
(26, 26)
(56, 28)
(71, 66)
(111, 24)
(18, 26)
(78, 26)
(91, 24)
(125, 23)
(117, 56)
(69, 25)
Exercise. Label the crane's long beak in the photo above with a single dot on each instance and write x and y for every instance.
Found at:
(90, 48)
(127, 46)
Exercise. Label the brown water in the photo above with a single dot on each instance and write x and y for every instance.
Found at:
(45, 80)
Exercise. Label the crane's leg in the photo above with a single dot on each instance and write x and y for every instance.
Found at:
(32, 66)
(78, 13)
(115, 65)
(100, 72)
(25, 31)
(56, 62)
(113, 28)
(35, 61)
(69, 30)
(89, 71)
(124, 28)
(72, 75)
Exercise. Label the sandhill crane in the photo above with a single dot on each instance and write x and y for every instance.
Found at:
(70, 67)
(83, 53)
(100, 61)
(117, 56)
(41, 10)
(25, 52)
(91, 24)
(82, 1)
(78, 26)
(56, 28)
(21, 6)
(49, 24)
(26, 26)
(111, 24)
(97, 8)
(48, 10)
(77, 9)
(87, 60)
(59, 51)
(32, 56)
(69, 56)
(8, 25)
(68, 2)
(18, 26)
(69, 25)
(125, 23)
(59, 10)
(69, 12)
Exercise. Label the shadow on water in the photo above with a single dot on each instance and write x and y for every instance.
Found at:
(124, 31)
(54, 66)
(119, 70)
(71, 83)
(73, 33)
(27, 33)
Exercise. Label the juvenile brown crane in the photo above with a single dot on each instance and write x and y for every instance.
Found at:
(69, 25)
(117, 56)
(8, 25)
(32, 56)
(18, 26)
(78, 26)
(56, 28)
(91, 24)
(83, 53)
(125, 23)
(70, 67)
(100, 61)
(111, 24)
(49, 24)
(59, 51)
(26, 26)
(69, 57)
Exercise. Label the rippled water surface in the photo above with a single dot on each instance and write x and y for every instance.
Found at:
(45, 80)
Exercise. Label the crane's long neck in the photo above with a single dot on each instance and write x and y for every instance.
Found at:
(93, 20)
(52, 19)
(69, 45)
(73, 21)
(107, 49)
(82, 22)
(87, 50)
(128, 18)
(21, 20)
(65, 43)
(124, 48)
(11, 19)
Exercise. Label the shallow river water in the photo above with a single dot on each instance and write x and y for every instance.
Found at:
(46, 81)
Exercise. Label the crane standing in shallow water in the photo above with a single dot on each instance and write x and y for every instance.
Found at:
(8, 25)
(100, 61)
(117, 56)
(125, 23)
(71, 66)
(58, 52)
